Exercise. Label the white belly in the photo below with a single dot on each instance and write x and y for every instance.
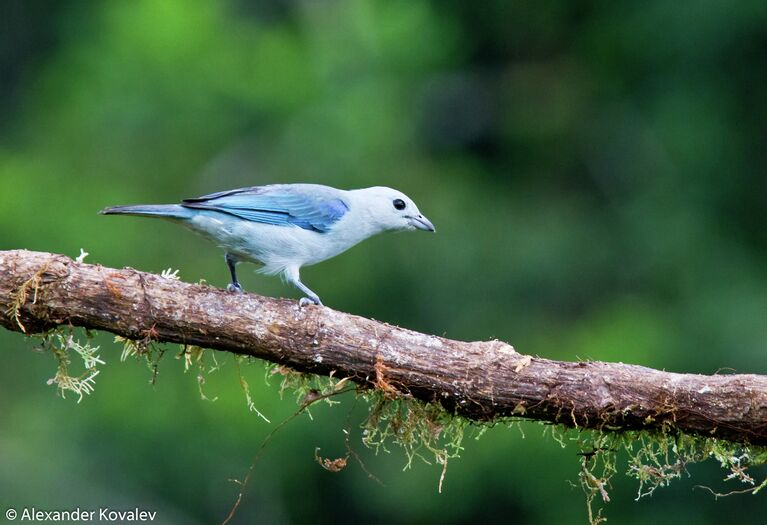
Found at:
(275, 247)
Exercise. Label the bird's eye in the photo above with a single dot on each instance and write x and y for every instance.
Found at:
(399, 204)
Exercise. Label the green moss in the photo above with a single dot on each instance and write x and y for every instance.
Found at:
(146, 349)
(654, 459)
(20, 295)
(201, 362)
(422, 430)
(63, 344)
(246, 389)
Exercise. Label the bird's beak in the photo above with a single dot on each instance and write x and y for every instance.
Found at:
(422, 223)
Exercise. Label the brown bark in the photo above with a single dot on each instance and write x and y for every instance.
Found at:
(479, 380)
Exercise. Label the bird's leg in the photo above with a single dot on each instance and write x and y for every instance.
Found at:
(292, 276)
(231, 261)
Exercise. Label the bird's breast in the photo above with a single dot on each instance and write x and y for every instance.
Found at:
(277, 246)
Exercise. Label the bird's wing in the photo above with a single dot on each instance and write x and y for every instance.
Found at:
(308, 206)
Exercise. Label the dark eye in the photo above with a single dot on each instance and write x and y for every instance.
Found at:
(399, 204)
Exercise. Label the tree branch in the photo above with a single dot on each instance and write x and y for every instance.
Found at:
(478, 380)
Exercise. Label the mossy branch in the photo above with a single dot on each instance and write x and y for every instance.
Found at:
(481, 381)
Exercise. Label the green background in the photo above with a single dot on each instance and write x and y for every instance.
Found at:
(595, 171)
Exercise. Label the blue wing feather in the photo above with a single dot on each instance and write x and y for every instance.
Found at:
(308, 206)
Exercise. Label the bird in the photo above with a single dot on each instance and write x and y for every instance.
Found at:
(283, 227)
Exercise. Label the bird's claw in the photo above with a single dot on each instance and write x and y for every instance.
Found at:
(306, 301)
(235, 288)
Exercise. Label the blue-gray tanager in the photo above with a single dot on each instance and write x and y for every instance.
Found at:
(286, 226)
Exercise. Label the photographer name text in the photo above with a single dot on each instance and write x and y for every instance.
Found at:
(105, 514)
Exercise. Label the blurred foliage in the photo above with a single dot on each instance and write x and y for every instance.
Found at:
(595, 170)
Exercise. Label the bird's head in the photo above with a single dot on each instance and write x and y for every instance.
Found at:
(393, 210)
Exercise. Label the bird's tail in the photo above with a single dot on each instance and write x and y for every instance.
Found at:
(166, 211)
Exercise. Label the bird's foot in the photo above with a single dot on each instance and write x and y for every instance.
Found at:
(234, 287)
(306, 301)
